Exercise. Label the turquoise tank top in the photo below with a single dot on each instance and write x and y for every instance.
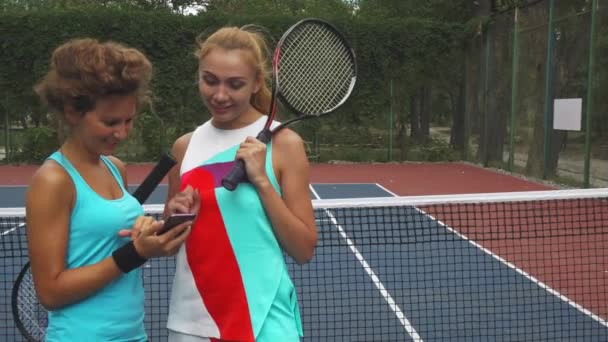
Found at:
(116, 312)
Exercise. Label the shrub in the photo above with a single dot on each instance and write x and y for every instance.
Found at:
(38, 144)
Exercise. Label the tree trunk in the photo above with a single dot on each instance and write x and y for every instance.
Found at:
(535, 105)
(425, 113)
(534, 164)
(415, 118)
(484, 9)
(570, 52)
(401, 126)
(498, 90)
(457, 133)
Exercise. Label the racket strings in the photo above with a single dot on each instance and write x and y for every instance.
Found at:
(31, 313)
(316, 70)
(336, 67)
(321, 81)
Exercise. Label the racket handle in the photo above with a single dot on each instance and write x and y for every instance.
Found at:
(235, 176)
(265, 135)
(238, 173)
(155, 176)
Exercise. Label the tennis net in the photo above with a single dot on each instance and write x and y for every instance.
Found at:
(529, 266)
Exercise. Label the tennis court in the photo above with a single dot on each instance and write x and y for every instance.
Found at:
(518, 266)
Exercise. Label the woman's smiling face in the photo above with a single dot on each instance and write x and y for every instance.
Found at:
(109, 123)
(227, 80)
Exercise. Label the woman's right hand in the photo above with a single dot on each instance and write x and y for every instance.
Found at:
(149, 244)
(185, 202)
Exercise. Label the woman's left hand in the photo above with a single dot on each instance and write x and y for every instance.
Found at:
(186, 201)
(253, 153)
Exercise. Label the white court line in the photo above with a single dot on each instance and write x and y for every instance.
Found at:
(370, 271)
(385, 189)
(6, 232)
(520, 271)
(314, 192)
(387, 296)
(337, 184)
(344, 183)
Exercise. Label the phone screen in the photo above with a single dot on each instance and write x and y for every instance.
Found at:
(175, 220)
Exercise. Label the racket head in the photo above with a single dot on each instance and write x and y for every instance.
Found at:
(29, 315)
(314, 68)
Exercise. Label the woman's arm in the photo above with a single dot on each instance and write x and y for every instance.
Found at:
(49, 202)
(180, 204)
(291, 215)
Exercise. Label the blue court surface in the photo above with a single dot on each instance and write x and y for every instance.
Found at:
(14, 196)
(362, 287)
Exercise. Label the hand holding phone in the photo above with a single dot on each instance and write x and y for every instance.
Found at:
(175, 220)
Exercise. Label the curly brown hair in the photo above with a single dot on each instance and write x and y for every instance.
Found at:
(85, 70)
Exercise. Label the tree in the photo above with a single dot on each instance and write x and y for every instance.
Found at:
(421, 72)
(312, 8)
(567, 68)
(174, 5)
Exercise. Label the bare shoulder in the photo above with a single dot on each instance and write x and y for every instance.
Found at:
(184, 140)
(50, 181)
(287, 139)
(122, 168)
(118, 163)
(180, 145)
(291, 166)
(50, 174)
(288, 149)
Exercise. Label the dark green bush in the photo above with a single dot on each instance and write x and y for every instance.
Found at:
(433, 150)
(38, 143)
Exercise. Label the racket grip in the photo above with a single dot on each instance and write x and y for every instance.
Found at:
(235, 176)
(238, 173)
(155, 176)
(264, 136)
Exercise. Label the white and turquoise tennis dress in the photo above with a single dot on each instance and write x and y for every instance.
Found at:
(231, 280)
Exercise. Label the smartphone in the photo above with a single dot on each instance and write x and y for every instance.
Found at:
(175, 220)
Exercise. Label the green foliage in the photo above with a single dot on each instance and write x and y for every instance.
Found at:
(439, 10)
(32, 5)
(151, 130)
(310, 8)
(433, 150)
(413, 50)
(38, 143)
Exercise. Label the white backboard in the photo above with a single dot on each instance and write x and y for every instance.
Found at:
(567, 114)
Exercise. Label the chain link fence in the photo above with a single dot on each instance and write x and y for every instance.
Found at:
(495, 106)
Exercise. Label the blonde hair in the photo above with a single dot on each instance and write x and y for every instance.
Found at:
(231, 38)
(84, 70)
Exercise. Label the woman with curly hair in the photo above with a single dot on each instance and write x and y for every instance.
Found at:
(86, 272)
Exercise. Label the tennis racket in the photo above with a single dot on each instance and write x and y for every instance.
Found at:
(29, 315)
(313, 73)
